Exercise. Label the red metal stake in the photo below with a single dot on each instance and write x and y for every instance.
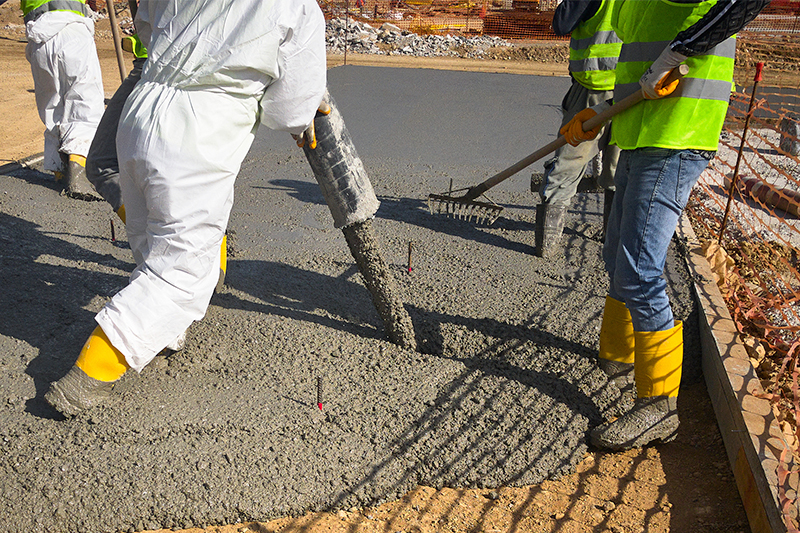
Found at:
(735, 178)
(319, 392)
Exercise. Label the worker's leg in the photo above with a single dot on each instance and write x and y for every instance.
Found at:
(48, 99)
(177, 170)
(606, 178)
(102, 165)
(82, 97)
(653, 186)
(82, 89)
(563, 172)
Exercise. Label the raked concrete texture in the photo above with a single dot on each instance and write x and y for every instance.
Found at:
(502, 391)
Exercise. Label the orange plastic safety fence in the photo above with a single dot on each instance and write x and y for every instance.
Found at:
(509, 19)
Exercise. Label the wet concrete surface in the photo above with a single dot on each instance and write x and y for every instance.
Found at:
(501, 392)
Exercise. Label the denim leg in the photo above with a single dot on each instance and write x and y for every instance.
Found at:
(653, 186)
(612, 236)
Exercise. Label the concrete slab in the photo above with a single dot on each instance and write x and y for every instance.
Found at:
(502, 393)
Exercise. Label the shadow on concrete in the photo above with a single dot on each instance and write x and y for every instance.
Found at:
(46, 289)
(285, 290)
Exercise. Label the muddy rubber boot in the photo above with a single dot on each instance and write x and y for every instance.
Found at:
(549, 226)
(616, 356)
(608, 199)
(58, 175)
(654, 417)
(76, 392)
(223, 264)
(76, 185)
(90, 381)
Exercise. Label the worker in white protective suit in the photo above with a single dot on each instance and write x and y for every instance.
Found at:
(68, 86)
(214, 71)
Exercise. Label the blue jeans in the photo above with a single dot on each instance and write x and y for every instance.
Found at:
(653, 186)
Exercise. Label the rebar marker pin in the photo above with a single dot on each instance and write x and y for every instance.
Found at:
(319, 392)
(410, 245)
(113, 235)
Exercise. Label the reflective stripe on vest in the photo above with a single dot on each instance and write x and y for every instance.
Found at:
(32, 11)
(593, 50)
(692, 116)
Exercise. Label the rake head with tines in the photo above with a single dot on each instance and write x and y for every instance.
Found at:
(464, 208)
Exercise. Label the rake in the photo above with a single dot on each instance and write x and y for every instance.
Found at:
(467, 207)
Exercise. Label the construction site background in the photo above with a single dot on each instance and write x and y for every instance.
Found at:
(509, 19)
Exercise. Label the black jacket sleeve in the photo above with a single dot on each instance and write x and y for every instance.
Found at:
(723, 20)
(570, 13)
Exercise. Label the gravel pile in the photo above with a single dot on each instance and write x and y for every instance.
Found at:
(362, 38)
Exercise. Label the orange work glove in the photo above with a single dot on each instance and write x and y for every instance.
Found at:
(573, 130)
(652, 81)
(310, 134)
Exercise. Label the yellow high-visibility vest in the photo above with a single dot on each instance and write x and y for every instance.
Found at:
(32, 9)
(692, 116)
(594, 49)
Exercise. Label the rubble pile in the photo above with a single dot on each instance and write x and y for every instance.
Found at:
(362, 38)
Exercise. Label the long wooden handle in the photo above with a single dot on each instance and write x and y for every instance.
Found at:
(112, 18)
(619, 107)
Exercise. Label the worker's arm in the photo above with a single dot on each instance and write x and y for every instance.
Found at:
(570, 13)
(291, 101)
(724, 19)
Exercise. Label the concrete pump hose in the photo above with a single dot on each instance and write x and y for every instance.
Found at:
(339, 171)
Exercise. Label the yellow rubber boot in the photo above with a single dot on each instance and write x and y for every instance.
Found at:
(90, 380)
(75, 183)
(59, 174)
(121, 213)
(100, 360)
(659, 359)
(617, 342)
(223, 263)
(654, 417)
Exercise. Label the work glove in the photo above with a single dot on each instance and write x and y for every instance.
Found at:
(573, 130)
(652, 81)
(309, 136)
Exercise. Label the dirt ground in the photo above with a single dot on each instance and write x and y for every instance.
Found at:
(685, 486)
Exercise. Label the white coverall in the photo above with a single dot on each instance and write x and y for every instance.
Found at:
(67, 80)
(214, 71)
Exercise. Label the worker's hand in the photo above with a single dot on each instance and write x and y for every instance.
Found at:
(310, 136)
(652, 81)
(573, 130)
(127, 43)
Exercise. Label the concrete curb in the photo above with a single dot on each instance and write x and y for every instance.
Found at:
(752, 436)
